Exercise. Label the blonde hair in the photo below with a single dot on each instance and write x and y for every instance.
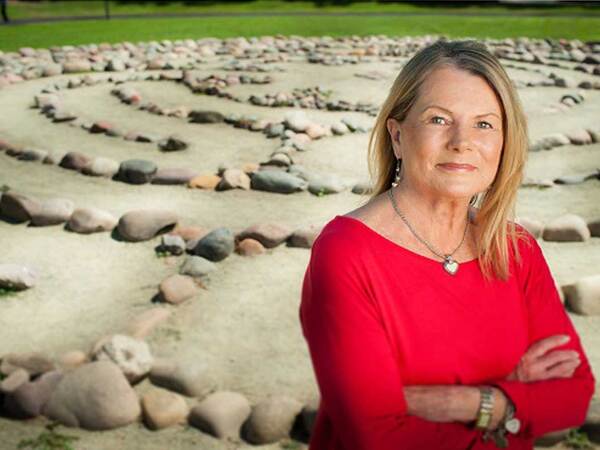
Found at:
(493, 231)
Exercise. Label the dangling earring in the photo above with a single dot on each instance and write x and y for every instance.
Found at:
(398, 178)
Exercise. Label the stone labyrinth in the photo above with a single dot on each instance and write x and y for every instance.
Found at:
(159, 201)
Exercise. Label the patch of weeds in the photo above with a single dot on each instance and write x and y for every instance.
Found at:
(49, 439)
(288, 444)
(577, 439)
(162, 254)
(4, 188)
(7, 291)
(321, 192)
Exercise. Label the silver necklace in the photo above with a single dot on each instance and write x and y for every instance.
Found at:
(449, 264)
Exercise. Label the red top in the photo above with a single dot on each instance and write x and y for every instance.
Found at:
(378, 317)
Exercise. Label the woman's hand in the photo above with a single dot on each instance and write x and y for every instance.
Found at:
(539, 364)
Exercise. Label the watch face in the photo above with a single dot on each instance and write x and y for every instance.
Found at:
(513, 425)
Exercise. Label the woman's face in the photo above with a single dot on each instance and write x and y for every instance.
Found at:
(451, 140)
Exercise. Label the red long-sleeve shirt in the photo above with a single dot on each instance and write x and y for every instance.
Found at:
(377, 317)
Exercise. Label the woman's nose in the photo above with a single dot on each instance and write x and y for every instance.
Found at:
(460, 138)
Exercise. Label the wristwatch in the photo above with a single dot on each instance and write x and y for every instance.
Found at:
(486, 407)
(509, 423)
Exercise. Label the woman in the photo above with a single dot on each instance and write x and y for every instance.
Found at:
(432, 324)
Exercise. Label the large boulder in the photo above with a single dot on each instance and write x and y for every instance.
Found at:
(52, 212)
(583, 297)
(17, 207)
(95, 396)
(144, 224)
(29, 399)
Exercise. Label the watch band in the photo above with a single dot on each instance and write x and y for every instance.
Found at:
(486, 407)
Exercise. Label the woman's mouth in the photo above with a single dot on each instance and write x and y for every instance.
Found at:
(456, 167)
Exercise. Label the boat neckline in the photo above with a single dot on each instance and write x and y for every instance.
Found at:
(398, 246)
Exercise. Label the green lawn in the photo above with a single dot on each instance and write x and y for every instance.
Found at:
(21, 10)
(116, 30)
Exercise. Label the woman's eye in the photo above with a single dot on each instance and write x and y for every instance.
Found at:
(485, 124)
(438, 119)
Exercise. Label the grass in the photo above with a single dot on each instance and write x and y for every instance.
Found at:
(49, 440)
(6, 292)
(45, 9)
(117, 30)
(577, 439)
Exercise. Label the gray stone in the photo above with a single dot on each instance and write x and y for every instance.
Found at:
(550, 141)
(101, 167)
(200, 116)
(95, 396)
(14, 276)
(172, 144)
(29, 399)
(32, 154)
(271, 420)
(277, 181)
(17, 207)
(216, 245)
(221, 414)
(325, 184)
(172, 244)
(75, 161)
(173, 176)
(137, 171)
(197, 267)
(304, 237)
(567, 228)
(192, 379)
(297, 121)
(583, 297)
(91, 220)
(144, 224)
(52, 212)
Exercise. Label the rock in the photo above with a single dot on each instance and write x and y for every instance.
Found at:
(535, 227)
(75, 161)
(583, 297)
(362, 188)
(339, 128)
(304, 237)
(300, 141)
(172, 144)
(271, 420)
(268, 234)
(137, 171)
(280, 159)
(197, 267)
(204, 182)
(325, 184)
(550, 141)
(76, 66)
(296, 121)
(189, 233)
(232, 179)
(52, 212)
(199, 116)
(12, 382)
(191, 379)
(29, 399)
(101, 167)
(250, 247)
(32, 154)
(594, 226)
(62, 115)
(146, 137)
(144, 224)
(221, 414)
(100, 127)
(91, 220)
(34, 363)
(316, 131)
(131, 355)
(274, 130)
(163, 409)
(143, 325)
(579, 137)
(308, 416)
(276, 181)
(72, 359)
(14, 276)
(95, 396)
(177, 288)
(172, 243)
(573, 179)
(216, 245)
(16, 207)
(567, 228)
(592, 421)
(173, 176)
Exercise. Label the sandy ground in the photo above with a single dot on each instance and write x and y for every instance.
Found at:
(245, 325)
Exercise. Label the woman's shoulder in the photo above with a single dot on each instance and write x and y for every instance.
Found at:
(341, 235)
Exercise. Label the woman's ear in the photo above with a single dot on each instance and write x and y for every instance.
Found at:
(393, 128)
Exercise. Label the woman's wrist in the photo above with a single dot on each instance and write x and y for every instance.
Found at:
(465, 405)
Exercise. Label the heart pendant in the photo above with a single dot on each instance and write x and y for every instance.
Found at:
(450, 266)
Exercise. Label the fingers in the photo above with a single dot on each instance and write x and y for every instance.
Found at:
(542, 346)
(556, 357)
(565, 369)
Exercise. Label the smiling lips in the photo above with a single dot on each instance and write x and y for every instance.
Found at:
(455, 167)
